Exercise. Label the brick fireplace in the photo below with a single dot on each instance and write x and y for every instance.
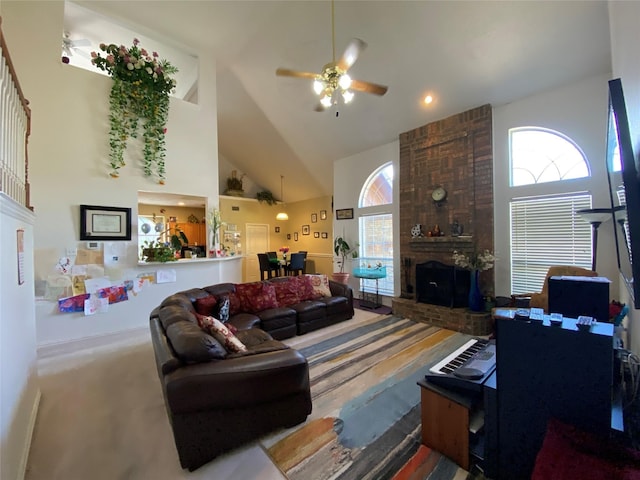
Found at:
(454, 153)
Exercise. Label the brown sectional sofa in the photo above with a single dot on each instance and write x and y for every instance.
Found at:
(217, 400)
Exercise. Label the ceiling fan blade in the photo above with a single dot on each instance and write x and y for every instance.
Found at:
(350, 55)
(285, 72)
(368, 87)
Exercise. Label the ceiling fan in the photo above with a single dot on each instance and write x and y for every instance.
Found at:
(69, 46)
(334, 84)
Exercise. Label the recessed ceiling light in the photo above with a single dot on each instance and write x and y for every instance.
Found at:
(181, 203)
(428, 99)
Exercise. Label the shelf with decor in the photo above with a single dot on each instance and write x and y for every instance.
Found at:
(442, 243)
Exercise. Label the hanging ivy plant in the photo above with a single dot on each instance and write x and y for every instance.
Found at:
(140, 91)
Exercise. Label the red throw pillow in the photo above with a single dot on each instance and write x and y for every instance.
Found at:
(205, 305)
(305, 288)
(286, 293)
(236, 303)
(257, 296)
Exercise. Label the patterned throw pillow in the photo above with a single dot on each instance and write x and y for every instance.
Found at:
(305, 289)
(320, 285)
(257, 296)
(222, 312)
(222, 334)
(206, 305)
(230, 326)
(286, 293)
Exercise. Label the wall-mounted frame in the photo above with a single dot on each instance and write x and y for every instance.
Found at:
(295, 236)
(277, 229)
(344, 214)
(323, 214)
(325, 235)
(104, 223)
(288, 236)
(306, 229)
(316, 234)
(314, 217)
(173, 219)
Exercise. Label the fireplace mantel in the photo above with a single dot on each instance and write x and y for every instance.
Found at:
(441, 244)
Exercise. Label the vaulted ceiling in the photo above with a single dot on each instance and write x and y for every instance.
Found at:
(463, 53)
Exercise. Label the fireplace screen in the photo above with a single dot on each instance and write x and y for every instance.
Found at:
(441, 284)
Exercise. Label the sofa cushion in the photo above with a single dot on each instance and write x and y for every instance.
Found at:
(286, 292)
(179, 300)
(222, 309)
(206, 305)
(192, 344)
(320, 284)
(235, 303)
(174, 313)
(200, 319)
(222, 334)
(257, 296)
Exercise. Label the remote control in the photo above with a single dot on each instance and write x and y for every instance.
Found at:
(584, 322)
(555, 319)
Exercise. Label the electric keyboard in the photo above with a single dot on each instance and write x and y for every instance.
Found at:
(466, 367)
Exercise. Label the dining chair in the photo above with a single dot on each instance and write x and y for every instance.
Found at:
(296, 265)
(267, 267)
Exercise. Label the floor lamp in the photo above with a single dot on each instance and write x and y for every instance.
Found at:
(595, 216)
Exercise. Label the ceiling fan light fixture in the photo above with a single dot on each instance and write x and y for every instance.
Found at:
(318, 86)
(347, 96)
(345, 81)
(326, 100)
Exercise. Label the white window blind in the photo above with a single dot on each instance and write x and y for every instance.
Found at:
(376, 245)
(546, 231)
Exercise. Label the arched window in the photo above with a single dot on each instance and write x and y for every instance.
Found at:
(545, 229)
(376, 227)
(540, 155)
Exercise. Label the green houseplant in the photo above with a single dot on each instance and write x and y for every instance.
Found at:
(266, 197)
(234, 185)
(140, 90)
(343, 250)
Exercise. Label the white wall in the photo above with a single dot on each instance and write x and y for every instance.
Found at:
(68, 153)
(625, 38)
(579, 111)
(18, 369)
(350, 174)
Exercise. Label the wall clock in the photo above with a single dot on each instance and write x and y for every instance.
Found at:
(439, 195)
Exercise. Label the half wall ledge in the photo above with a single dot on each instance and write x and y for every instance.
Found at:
(457, 319)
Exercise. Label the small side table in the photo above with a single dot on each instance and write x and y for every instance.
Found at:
(367, 299)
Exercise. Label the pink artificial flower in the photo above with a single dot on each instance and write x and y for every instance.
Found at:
(155, 54)
(164, 130)
(102, 46)
(111, 59)
(94, 54)
(136, 42)
(143, 52)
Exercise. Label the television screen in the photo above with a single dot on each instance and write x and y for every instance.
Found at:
(624, 190)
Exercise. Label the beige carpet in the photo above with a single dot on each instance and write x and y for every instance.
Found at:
(102, 416)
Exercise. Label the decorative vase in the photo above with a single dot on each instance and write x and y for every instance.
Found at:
(340, 277)
(476, 301)
(213, 244)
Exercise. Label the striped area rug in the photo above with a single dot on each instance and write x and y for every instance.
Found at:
(365, 422)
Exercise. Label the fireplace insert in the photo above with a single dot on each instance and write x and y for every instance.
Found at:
(441, 284)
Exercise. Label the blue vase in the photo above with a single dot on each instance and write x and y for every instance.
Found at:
(476, 300)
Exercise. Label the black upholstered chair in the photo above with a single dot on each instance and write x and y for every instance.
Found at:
(267, 267)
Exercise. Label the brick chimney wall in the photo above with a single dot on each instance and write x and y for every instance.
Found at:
(455, 153)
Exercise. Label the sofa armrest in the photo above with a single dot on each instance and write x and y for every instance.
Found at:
(166, 359)
(341, 290)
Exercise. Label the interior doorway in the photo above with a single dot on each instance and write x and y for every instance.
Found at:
(257, 242)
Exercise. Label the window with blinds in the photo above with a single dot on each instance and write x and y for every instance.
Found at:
(546, 231)
(376, 245)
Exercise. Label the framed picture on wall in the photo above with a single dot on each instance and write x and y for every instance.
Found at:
(295, 236)
(344, 214)
(277, 229)
(323, 214)
(314, 217)
(316, 234)
(306, 229)
(173, 219)
(325, 235)
(104, 223)
(288, 236)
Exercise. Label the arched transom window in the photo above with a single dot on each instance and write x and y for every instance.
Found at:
(378, 190)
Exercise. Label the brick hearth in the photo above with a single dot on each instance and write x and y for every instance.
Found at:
(458, 319)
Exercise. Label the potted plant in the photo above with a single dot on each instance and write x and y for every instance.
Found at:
(158, 251)
(234, 185)
(343, 250)
(266, 197)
